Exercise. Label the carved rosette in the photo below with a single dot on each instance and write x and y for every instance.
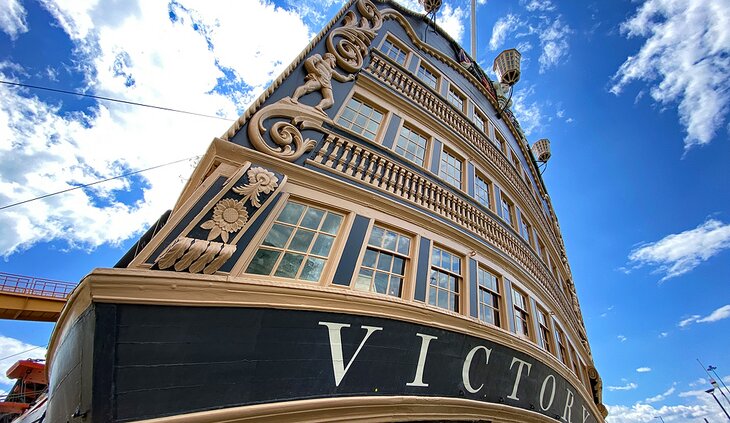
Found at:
(350, 43)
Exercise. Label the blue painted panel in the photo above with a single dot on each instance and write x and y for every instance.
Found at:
(424, 260)
(348, 261)
(510, 304)
(470, 179)
(498, 200)
(436, 156)
(413, 65)
(473, 289)
(392, 133)
(535, 324)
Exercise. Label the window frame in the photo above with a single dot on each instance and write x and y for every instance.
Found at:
(560, 347)
(458, 94)
(447, 152)
(459, 280)
(526, 319)
(499, 311)
(480, 176)
(366, 101)
(407, 260)
(422, 64)
(257, 243)
(423, 134)
(544, 334)
(393, 41)
(526, 228)
(511, 205)
(478, 116)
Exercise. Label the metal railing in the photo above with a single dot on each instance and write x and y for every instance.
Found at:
(28, 285)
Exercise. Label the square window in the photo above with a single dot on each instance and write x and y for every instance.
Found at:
(520, 310)
(384, 264)
(394, 52)
(411, 145)
(298, 244)
(456, 99)
(427, 77)
(479, 121)
(544, 337)
(506, 210)
(361, 118)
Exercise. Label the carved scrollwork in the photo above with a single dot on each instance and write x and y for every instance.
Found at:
(286, 135)
(195, 255)
(350, 43)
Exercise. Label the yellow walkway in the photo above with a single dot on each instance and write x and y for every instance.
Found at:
(29, 298)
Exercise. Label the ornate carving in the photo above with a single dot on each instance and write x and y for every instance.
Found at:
(355, 36)
(286, 135)
(230, 215)
(195, 255)
(320, 72)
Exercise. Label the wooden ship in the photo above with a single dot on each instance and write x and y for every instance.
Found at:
(370, 241)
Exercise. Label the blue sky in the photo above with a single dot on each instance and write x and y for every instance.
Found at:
(633, 95)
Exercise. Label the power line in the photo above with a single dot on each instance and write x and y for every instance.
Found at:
(98, 97)
(22, 352)
(94, 183)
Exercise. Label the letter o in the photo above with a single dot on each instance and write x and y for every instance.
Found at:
(542, 393)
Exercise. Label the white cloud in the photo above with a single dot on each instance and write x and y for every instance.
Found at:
(662, 396)
(502, 28)
(621, 338)
(718, 314)
(528, 112)
(451, 19)
(688, 321)
(538, 5)
(645, 413)
(677, 254)
(554, 43)
(630, 386)
(12, 18)
(137, 52)
(685, 59)
(643, 369)
(16, 350)
(663, 334)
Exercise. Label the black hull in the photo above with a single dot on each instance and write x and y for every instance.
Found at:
(152, 361)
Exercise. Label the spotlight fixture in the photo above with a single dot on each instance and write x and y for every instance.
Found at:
(507, 68)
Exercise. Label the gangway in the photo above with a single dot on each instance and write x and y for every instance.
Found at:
(29, 298)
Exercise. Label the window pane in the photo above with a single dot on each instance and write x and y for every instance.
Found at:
(291, 213)
(381, 282)
(390, 238)
(278, 236)
(312, 269)
(395, 284)
(331, 223)
(289, 265)
(312, 218)
(263, 262)
(301, 241)
(370, 257)
(404, 245)
(384, 261)
(363, 280)
(376, 237)
(322, 245)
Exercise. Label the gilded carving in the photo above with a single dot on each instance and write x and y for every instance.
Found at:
(195, 255)
(260, 181)
(355, 36)
(320, 71)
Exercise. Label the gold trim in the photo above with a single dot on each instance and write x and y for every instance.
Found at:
(364, 410)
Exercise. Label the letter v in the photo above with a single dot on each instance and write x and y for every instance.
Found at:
(336, 347)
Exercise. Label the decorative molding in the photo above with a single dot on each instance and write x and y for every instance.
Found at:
(195, 255)
(355, 36)
(290, 144)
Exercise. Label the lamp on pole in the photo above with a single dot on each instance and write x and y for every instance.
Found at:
(711, 391)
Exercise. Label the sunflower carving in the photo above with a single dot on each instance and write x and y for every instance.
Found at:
(228, 216)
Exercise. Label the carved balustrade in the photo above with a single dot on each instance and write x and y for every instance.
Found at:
(394, 77)
(368, 167)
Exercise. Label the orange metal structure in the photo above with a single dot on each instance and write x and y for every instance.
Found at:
(29, 298)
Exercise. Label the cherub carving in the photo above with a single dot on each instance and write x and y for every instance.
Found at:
(320, 71)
